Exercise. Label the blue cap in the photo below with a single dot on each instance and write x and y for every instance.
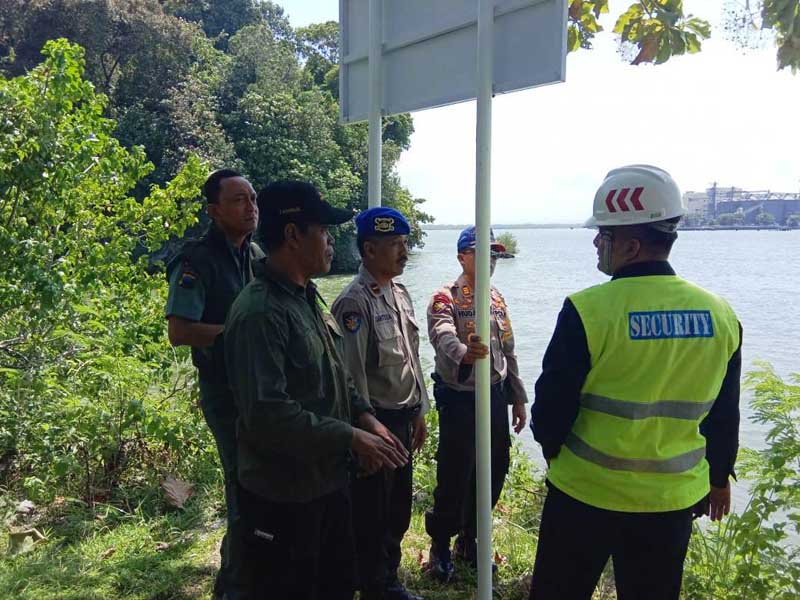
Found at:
(381, 220)
(466, 240)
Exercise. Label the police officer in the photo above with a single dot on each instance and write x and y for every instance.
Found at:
(637, 406)
(451, 328)
(381, 342)
(204, 279)
(300, 415)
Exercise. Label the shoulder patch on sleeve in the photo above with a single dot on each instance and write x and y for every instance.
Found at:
(188, 277)
(440, 303)
(352, 321)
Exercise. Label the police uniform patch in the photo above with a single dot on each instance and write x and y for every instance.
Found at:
(384, 224)
(352, 321)
(440, 304)
(466, 290)
(188, 279)
(471, 325)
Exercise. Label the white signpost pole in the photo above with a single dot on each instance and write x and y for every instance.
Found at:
(483, 181)
(375, 88)
(407, 55)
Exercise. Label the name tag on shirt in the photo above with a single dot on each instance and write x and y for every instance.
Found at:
(670, 324)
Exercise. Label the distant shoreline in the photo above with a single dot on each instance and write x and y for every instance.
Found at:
(506, 226)
(578, 226)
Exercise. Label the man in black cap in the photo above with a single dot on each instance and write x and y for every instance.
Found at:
(300, 415)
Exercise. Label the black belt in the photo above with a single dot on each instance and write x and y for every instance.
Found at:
(402, 411)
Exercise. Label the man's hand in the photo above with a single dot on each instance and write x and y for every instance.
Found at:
(374, 452)
(368, 466)
(368, 422)
(719, 502)
(419, 432)
(519, 416)
(475, 349)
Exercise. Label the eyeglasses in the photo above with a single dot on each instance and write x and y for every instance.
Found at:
(607, 235)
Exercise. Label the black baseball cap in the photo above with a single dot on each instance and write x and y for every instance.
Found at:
(298, 202)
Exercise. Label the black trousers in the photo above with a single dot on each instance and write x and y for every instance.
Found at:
(219, 410)
(576, 540)
(296, 551)
(454, 502)
(382, 512)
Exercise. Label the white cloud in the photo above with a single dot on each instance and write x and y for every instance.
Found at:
(720, 115)
(716, 116)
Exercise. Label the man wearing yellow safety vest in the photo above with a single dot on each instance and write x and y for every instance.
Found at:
(637, 407)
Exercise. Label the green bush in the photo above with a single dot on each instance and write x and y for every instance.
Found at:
(509, 241)
(750, 554)
(730, 219)
(765, 219)
(89, 396)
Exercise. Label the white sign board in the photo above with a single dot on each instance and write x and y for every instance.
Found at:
(430, 50)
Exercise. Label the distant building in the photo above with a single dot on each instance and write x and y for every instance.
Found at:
(705, 207)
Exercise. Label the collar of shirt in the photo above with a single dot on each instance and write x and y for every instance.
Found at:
(218, 236)
(279, 278)
(369, 282)
(653, 267)
(464, 288)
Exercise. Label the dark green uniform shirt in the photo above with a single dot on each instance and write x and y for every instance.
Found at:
(295, 399)
(204, 279)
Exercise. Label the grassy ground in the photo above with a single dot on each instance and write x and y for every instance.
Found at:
(137, 551)
(113, 552)
(175, 556)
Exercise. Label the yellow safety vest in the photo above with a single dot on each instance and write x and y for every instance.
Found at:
(659, 349)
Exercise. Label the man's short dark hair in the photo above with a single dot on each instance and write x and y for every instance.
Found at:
(361, 240)
(271, 232)
(654, 240)
(212, 185)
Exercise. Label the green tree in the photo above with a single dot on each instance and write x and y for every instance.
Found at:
(655, 30)
(509, 241)
(730, 219)
(319, 46)
(765, 219)
(83, 354)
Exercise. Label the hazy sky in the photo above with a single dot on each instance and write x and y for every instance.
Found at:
(721, 115)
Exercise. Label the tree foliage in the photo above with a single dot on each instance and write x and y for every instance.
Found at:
(653, 31)
(230, 82)
(765, 219)
(82, 350)
(730, 219)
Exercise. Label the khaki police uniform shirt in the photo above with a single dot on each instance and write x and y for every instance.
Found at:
(381, 341)
(451, 318)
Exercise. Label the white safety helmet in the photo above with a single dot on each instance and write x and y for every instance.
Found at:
(637, 194)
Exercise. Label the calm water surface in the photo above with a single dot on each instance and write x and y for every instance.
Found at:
(758, 272)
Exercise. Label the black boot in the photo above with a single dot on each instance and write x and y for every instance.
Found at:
(396, 591)
(466, 549)
(440, 562)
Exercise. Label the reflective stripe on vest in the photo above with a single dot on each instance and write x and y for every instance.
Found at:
(676, 464)
(674, 409)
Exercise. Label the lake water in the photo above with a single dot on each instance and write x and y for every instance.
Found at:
(758, 272)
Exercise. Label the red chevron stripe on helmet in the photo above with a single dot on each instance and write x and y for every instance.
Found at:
(635, 200)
